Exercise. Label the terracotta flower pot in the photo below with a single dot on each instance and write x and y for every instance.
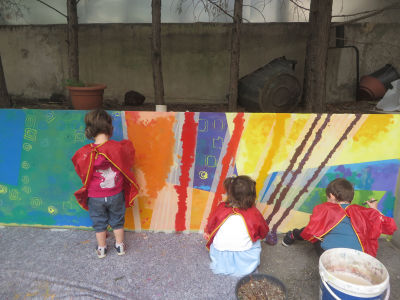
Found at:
(371, 88)
(87, 97)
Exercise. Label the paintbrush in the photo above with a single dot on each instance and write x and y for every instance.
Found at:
(369, 201)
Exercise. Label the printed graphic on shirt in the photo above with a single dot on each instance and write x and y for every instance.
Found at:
(109, 177)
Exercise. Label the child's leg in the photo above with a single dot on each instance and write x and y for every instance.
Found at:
(117, 218)
(98, 215)
(101, 239)
(119, 235)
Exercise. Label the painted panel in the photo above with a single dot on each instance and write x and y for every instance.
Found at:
(182, 159)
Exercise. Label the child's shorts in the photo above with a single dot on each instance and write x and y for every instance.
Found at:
(107, 211)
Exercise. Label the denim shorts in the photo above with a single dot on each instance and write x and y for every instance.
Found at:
(107, 211)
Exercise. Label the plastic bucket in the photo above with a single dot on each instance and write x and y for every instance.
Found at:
(351, 274)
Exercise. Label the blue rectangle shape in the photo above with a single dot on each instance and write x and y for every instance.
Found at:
(11, 141)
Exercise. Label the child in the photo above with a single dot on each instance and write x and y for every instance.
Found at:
(339, 224)
(108, 182)
(235, 228)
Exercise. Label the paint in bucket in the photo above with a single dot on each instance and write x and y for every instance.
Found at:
(352, 274)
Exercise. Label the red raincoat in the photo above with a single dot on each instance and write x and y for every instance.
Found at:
(120, 154)
(368, 224)
(257, 227)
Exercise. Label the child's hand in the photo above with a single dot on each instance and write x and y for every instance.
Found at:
(206, 236)
(372, 203)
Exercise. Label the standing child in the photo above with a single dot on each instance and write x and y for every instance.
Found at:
(339, 224)
(109, 185)
(235, 228)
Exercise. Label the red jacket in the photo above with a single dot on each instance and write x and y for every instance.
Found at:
(368, 224)
(257, 227)
(120, 154)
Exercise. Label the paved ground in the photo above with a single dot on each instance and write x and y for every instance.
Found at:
(61, 264)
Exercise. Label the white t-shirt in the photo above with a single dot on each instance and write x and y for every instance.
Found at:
(233, 235)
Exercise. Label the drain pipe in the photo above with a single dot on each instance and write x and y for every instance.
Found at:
(340, 45)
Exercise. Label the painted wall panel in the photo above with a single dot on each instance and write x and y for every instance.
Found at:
(182, 159)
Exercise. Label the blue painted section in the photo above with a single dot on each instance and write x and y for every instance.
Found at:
(210, 138)
(11, 140)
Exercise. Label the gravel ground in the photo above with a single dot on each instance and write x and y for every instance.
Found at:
(41, 263)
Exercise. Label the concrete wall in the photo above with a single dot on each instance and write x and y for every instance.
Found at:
(195, 57)
(378, 45)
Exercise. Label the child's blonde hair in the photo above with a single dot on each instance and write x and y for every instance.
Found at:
(241, 191)
(98, 121)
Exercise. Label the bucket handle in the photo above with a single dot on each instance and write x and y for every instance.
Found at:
(387, 292)
(329, 289)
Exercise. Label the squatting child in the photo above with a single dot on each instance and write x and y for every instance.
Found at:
(235, 228)
(109, 185)
(339, 224)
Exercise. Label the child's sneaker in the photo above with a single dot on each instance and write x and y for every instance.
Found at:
(101, 252)
(271, 238)
(120, 248)
(288, 239)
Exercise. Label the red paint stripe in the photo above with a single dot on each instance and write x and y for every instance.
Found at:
(188, 138)
(229, 158)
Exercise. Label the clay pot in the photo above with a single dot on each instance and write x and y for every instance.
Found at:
(87, 97)
(371, 88)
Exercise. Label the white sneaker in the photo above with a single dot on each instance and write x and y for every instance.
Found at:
(101, 252)
(120, 248)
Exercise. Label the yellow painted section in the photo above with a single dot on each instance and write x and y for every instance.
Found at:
(295, 128)
(254, 139)
(295, 219)
(371, 142)
(145, 212)
(199, 202)
(277, 137)
(129, 222)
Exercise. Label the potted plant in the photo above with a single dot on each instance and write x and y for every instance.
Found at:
(85, 96)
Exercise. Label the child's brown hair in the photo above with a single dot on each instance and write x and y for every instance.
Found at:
(98, 121)
(341, 189)
(241, 191)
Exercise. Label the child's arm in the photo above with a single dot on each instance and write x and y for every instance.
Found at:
(388, 224)
(372, 203)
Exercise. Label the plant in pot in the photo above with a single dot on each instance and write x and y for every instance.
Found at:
(85, 96)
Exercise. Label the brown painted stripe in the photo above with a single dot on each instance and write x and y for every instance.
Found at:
(316, 173)
(307, 155)
(293, 160)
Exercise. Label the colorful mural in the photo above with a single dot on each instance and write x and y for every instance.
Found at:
(183, 158)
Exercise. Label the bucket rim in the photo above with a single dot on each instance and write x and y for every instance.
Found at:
(337, 283)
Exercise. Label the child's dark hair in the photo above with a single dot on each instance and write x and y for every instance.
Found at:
(98, 121)
(241, 191)
(342, 189)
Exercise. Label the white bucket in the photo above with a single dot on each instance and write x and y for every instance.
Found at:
(351, 274)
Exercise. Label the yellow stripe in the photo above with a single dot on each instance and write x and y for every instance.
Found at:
(245, 224)
(216, 229)
(90, 166)
(359, 240)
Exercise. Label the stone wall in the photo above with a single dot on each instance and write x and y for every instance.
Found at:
(195, 57)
